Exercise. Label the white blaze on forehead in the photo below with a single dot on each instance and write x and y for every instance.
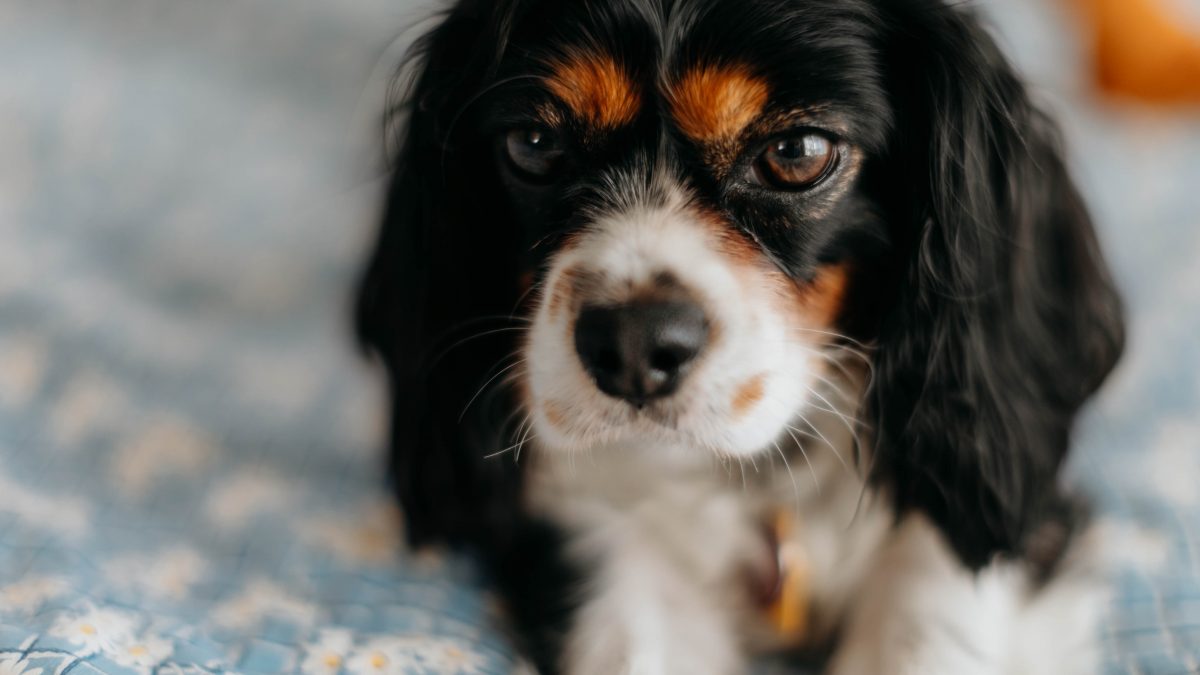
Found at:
(634, 248)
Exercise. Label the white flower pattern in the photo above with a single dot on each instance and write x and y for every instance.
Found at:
(328, 654)
(450, 656)
(141, 654)
(95, 630)
(383, 656)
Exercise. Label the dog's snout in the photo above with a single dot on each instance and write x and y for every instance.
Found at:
(640, 351)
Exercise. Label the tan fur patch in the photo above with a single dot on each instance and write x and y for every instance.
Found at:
(818, 302)
(822, 298)
(715, 103)
(596, 89)
(561, 295)
(748, 395)
(555, 415)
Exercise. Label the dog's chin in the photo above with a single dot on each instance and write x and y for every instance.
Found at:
(670, 427)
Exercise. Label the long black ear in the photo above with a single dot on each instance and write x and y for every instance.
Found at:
(441, 278)
(1005, 319)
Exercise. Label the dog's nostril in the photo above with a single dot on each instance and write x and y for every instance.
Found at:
(668, 359)
(642, 350)
(608, 360)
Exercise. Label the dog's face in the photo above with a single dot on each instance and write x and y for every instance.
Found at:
(653, 221)
(691, 186)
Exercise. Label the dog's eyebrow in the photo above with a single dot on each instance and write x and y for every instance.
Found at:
(715, 103)
(596, 89)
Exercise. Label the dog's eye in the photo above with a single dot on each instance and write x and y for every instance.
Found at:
(534, 152)
(796, 162)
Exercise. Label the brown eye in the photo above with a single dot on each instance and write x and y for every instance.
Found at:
(796, 162)
(535, 152)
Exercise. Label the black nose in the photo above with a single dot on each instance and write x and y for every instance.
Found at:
(642, 350)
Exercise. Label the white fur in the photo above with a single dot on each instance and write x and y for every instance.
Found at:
(667, 510)
(920, 612)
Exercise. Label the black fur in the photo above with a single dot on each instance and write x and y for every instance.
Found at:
(980, 282)
(436, 305)
(436, 277)
(1006, 319)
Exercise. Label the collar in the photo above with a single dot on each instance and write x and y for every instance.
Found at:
(782, 587)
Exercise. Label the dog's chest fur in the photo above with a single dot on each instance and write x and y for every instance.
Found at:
(678, 527)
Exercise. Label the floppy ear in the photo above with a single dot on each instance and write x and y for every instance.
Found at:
(1005, 319)
(441, 279)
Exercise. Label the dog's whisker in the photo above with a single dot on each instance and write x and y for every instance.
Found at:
(528, 437)
(835, 335)
(803, 453)
(836, 362)
(860, 354)
(484, 318)
(490, 380)
(792, 476)
(533, 288)
(495, 331)
(528, 419)
(827, 442)
(816, 433)
(852, 424)
(855, 439)
(835, 387)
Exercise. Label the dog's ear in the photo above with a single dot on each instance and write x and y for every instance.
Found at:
(1005, 319)
(441, 280)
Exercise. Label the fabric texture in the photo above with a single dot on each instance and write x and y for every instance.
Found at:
(190, 478)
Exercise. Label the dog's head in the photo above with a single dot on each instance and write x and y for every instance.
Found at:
(659, 220)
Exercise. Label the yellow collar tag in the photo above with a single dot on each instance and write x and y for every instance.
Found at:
(788, 612)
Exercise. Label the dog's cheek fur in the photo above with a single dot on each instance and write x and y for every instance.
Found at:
(1005, 320)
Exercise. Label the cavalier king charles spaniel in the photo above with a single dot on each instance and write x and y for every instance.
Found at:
(716, 327)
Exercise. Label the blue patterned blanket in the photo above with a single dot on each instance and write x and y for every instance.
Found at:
(189, 479)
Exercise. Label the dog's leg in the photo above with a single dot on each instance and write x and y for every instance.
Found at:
(660, 601)
(645, 620)
(921, 612)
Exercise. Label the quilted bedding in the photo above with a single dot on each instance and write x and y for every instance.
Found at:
(189, 479)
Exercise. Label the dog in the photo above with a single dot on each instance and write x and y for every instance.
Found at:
(716, 328)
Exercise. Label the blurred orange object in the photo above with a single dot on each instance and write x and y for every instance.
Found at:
(1145, 50)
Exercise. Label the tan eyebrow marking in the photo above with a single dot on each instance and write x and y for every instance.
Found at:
(716, 102)
(596, 89)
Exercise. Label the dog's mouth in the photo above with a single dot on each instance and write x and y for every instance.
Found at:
(706, 413)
